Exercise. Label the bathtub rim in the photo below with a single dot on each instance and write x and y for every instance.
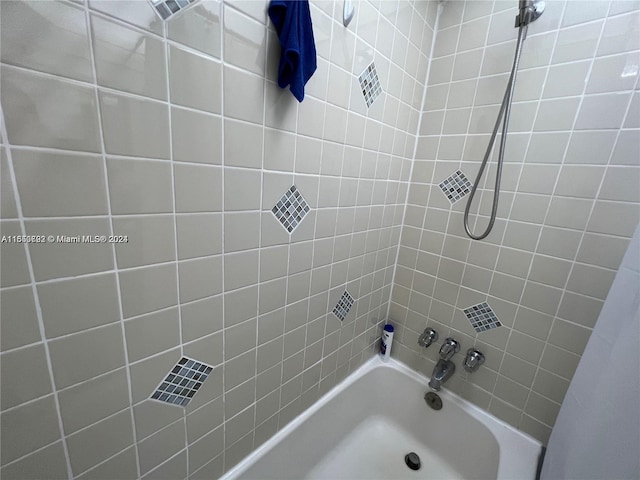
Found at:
(501, 430)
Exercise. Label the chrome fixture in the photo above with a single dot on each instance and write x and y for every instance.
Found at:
(473, 360)
(449, 348)
(441, 373)
(445, 368)
(530, 10)
(348, 11)
(428, 337)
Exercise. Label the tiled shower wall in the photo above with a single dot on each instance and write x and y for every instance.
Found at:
(569, 203)
(178, 137)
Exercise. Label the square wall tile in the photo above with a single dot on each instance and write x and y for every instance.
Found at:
(49, 461)
(187, 28)
(201, 451)
(147, 289)
(84, 355)
(240, 305)
(627, 149)
(88, 302)
(195, 81)
(205, 419)
(122, 465)
(139, 186)
(8, 207)
(39, 426)
(197, 137)
(613, 73)
(141, 70)
(152, 333)
(238, 151)
(151, 239)
(620, 34)
(241, 231)
(135, 127)
(198, 188)
(25, 376)
(242, 189)
(199, 235)
(542, 409)
(201, 318)
(175, 467)
(207, 350)
(63, 258)
(131, 11)
(243, 95)
(63, 51)
(241, 269)
(19, 324)
(151, 416)
(100, 441)
(146, 374)
(244, 41)
(92, 401)
(23, 95)
(200, 278)
(240, 338)
(14, 260)
(602, 111)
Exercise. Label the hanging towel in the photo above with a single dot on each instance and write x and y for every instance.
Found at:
(292, 20)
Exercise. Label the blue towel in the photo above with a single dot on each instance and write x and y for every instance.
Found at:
(292, 20)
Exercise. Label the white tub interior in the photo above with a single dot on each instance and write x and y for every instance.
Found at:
(364, 427)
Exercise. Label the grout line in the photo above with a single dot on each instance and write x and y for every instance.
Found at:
(513, 199)
(594, 201)
(259, 266)
(552, 196)
(167, 56)
(362, 211)
(34, 290)
(222, 9)
(413, 160)
(111, 230)
(435, 187)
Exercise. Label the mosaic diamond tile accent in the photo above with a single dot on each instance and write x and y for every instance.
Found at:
(291, 209)
(168, 8)
(182, 382)
(455, 186)
(343, 306)
(370, 84)
(482, 317)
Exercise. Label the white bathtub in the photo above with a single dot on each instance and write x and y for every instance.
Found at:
(364, 427)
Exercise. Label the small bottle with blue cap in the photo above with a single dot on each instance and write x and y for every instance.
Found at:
(385, 342)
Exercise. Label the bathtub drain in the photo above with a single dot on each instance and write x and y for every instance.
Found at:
(433, 400)
(412, 460)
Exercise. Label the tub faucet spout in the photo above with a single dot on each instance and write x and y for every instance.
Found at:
(441, 373)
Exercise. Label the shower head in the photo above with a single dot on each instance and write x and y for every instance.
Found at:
(530, 10)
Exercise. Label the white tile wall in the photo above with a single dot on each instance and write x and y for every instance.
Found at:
(566, 212)
(177, 136)
(142, 127)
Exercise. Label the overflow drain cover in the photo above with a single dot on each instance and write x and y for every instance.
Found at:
(412, 460)
(433, 400)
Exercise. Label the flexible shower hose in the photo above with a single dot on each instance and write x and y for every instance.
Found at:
(503, 114)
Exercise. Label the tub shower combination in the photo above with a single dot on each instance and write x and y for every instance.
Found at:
(378, 424)
(366, 426)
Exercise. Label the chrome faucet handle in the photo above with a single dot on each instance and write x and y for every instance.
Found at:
(449, 348)
(473, 360)
(427, 337)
